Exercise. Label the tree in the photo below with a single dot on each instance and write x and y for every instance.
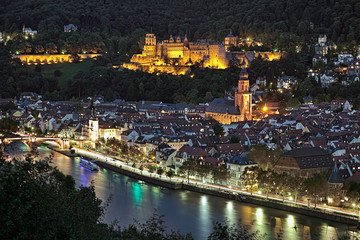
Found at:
(316, 185)
(220, 174)
(160, 171)
(8, 125)
(266, 158)
(218, 130)
(305, 87)
(38, 68)
(203, 170)
(353, 197)
(319, 66)
(249, 177)
(208, 97)
(234, 139)
(170, 174)
(188, 168)
(192, 96)
(266, 180)
(293, 103)
(296, 185)
(282, 183)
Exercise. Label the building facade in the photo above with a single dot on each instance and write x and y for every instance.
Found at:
(178, 51)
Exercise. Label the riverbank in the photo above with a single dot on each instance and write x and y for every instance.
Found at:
(179, 184)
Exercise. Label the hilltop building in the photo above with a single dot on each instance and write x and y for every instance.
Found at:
(70, 28)
(227, 111)
(178, 51)
(28, 31)
(177, 54)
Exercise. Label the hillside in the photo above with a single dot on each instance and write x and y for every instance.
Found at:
(120, 23)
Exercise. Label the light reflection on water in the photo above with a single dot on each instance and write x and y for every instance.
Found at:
(189, 211)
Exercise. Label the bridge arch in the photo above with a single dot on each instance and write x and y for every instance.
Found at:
(23, 142)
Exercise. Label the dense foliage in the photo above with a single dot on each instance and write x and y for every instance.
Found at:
(39, 202)
(118, 24)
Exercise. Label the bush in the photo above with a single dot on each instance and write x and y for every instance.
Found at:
(57, 73)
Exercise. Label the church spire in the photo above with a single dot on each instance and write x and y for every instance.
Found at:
(243, 74)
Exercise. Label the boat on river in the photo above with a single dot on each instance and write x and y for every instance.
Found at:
(88, 164)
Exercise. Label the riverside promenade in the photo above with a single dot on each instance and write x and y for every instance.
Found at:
(119, 165)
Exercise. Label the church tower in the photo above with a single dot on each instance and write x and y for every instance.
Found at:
(243, 101)
(93, 124)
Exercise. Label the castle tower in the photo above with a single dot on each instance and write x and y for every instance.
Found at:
(150, 45)
(230, 40)
(243, 101)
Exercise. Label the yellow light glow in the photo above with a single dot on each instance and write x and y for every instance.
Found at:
(330, 200)
(265, 108)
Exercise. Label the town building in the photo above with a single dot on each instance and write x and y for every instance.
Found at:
(345, 58)
(305, 162)
(236, 167)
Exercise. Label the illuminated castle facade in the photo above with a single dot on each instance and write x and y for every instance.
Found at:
(227, 111)
(178, 51)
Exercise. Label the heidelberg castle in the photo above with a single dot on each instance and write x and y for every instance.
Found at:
(177, 54)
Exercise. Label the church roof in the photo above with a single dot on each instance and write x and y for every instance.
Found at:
(230, 35)
(221, 105)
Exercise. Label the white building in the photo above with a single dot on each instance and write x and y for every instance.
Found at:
(29, 31)
(93, 129)
(236, 166)
(345, 58)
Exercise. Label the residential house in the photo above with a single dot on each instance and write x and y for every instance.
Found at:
(236, 166)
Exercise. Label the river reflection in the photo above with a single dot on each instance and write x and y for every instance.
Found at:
(189, 211)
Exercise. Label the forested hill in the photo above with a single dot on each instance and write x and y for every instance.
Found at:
(340, 20)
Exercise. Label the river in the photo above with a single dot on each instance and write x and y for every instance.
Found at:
(189, 211)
